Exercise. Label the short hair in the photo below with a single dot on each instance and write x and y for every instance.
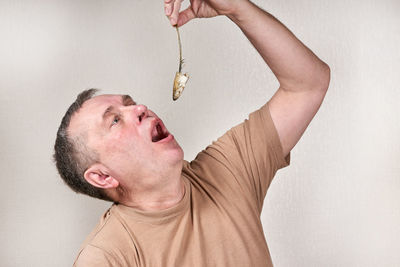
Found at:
(72, 156)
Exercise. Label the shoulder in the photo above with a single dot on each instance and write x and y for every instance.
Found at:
(91, 255)
(107, 244)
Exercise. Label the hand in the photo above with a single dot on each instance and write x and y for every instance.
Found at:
(199, 9)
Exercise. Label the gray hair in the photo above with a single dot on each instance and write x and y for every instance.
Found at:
(72, 156)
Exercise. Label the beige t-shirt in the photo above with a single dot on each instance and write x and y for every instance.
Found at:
(217, 223)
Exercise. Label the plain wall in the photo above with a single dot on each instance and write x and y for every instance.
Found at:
(337, 204)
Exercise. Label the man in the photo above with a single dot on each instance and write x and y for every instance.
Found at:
(169, 212)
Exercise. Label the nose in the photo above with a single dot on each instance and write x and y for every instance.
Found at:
(140, 111)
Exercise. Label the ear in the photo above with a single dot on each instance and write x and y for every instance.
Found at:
(98, 176)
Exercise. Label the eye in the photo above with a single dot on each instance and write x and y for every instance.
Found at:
(115, 120)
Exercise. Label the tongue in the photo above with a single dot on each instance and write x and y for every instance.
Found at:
(157, 134)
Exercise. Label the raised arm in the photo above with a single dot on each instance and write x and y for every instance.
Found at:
(302, 76)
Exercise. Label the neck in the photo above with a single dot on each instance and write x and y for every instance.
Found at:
(165, 191)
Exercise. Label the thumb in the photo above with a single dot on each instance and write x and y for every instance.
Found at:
(185, 16)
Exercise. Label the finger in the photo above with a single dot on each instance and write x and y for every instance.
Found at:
(175, 12)
(168, 4)
(185, 16)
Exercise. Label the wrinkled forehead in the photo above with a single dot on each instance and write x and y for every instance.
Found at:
(90, 114)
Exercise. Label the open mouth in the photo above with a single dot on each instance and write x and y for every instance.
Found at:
(159, 132)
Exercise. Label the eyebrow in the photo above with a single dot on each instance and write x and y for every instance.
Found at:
(127, 100)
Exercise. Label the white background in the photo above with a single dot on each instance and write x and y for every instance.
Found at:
(337, 204)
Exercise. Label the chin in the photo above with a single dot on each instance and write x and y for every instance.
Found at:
(172, 154)
(177, 155)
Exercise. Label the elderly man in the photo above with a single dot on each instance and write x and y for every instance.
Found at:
(170, 212)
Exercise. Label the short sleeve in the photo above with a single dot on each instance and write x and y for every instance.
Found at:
(246, 157)
(264, 139)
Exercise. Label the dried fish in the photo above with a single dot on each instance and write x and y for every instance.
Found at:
(180, 78)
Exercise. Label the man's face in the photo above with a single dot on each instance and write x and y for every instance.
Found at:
(132, 142)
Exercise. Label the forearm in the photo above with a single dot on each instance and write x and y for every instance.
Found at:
(295, 66)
